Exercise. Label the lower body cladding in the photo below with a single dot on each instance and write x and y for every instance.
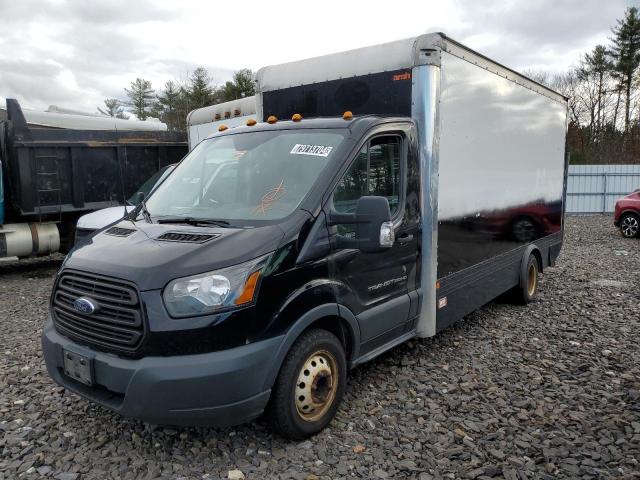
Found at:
(212, 389)
(26, 239)
(461, 293)
(232, 386)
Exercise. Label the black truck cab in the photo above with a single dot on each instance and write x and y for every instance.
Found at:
(213, 357)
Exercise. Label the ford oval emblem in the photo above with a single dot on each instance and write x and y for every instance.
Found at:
(85, 305)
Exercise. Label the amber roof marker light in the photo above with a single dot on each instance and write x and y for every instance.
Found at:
(251, 122)
(296, 117)
(222, 128)
(348, 115)
(272, 119)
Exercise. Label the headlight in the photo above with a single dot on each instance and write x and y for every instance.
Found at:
(210, 292)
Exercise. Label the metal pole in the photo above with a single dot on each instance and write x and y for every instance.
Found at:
(604, 193)
(425, 94)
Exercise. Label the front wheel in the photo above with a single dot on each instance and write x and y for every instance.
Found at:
(309, 387)
(630, 225)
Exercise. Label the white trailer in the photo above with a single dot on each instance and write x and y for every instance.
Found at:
(205, 121)
(492, 163)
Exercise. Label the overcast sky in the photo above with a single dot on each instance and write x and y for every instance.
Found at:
(75, 53)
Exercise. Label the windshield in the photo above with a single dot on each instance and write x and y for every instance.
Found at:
(244, 177)
(151, 182)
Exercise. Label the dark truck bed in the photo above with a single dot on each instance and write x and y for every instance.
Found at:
(53, 174)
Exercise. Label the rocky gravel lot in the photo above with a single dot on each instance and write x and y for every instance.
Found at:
(551, 390)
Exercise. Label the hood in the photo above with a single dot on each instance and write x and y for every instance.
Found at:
(102, 218)
(635, 194)
(150, 263)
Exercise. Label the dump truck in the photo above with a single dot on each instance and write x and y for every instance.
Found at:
(52, 172)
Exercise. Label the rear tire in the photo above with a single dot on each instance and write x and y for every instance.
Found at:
(309, 387)
(630, 225)
(528, 287)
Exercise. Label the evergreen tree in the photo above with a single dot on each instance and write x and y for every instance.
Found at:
(598, 65)
(167, 107)
(240, 87)
(200, 91)
(141, 98)
(113, 108)
(626, 53)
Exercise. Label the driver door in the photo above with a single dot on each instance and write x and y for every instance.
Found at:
(375, 286)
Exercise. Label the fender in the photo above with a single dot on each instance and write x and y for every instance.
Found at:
(316, 313)
(629, 210)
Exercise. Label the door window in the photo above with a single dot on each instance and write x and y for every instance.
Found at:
(375, 171)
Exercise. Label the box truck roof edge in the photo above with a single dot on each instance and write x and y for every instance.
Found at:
(385, 57)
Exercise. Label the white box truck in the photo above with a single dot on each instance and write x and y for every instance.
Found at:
(205, 121)
(416, 181)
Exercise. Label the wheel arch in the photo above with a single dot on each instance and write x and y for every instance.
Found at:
(535, 250)
(331, 317)
(630, 211)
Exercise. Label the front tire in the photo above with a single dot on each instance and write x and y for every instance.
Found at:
(630, 225)
(309, 387)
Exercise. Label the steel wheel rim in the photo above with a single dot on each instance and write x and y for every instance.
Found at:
(316, 386)
(630, 226)
(532, 280)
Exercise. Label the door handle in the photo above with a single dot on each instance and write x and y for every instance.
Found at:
(405, 238)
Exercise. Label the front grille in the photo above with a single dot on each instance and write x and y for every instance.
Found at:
(187, 237)
(117, 322)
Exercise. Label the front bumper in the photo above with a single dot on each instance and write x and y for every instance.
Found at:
(213, 389)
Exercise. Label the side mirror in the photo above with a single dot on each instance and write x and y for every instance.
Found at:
(373, 227)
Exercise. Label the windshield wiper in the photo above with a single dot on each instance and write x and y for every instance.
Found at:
(195, 221)
(145, 212)
(141, 208)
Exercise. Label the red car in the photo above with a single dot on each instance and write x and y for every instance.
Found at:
(627, 214)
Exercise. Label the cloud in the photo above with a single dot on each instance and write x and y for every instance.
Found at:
(535, 34)
(39, 80)
(82, 12)
(75, 53)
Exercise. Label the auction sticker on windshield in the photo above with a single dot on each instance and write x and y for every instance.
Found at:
(315, 150)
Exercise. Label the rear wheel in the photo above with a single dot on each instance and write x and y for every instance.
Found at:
(528, 286)
(630, 225)
(309, 387)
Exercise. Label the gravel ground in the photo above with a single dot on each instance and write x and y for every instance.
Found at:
(551, 390)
